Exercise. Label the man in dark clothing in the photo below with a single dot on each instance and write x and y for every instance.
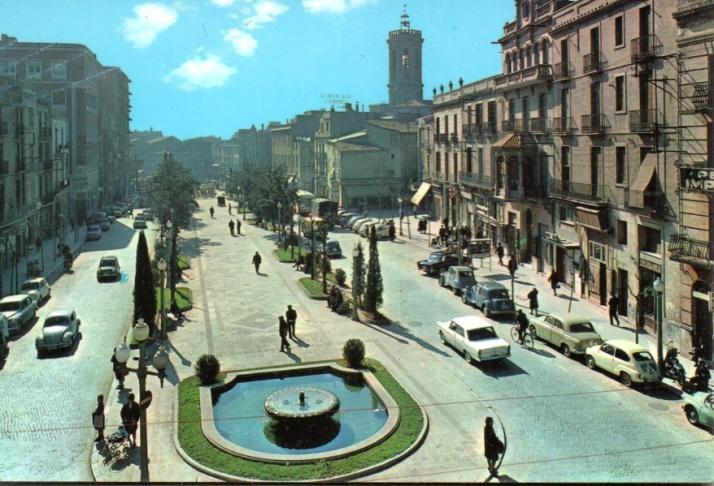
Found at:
(229, 209)
(512, 266)
(291, 317)
(553, 279)
(492, 446)
(392, 232)
(238, 224)
(612, 306)
(210, 210)
(522, 321)
(442, 235)
(98, 419)
(533, 300)
(130, 415)
(231, 226)
(119, 370)
(257, 260)
(499, 253)
(701, 377)
(283, 331)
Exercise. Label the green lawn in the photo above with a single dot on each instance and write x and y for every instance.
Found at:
(313, 288)
(284, 255)
(184, 262)
(184, 298)
(200, 449)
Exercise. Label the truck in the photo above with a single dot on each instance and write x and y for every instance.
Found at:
(325, 209)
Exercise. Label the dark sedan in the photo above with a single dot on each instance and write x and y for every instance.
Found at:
(436, 262)
(491, 297)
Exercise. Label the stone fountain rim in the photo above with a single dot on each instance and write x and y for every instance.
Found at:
(327, 411)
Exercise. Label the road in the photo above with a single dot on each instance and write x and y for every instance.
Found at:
(45, 424)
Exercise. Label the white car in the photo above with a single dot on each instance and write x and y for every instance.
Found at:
(94, 233)
(475, 337)
(627, 360)
(37, 288)
(19, 309)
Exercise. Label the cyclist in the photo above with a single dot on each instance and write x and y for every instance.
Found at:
(522, 321)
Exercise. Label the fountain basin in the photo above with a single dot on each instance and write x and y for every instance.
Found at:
(301, 403)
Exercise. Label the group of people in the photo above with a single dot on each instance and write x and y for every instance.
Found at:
(130, 416)
(286, 328)
(702, 375)
(234, 227)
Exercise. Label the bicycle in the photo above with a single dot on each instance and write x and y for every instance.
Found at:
(528, 340)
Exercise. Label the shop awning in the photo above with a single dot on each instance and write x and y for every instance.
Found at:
(592, 218)
(560, 241)
(421, 193)
(648, 168)
(515, 141)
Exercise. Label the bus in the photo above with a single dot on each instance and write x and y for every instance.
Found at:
(325, 209)
(305, 202)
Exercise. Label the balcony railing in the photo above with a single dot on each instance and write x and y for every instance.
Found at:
(45, 133)
(439, 176)
(441, 138)
(537, 125)
(643, 120)
(490, 128)
(478, 180)
(507, 126)
(562, 71)
(593, 123)
(688, 250)
(562, 124)
(453, 138)
(21, 130)
(576, 190)
(700, 96)
(520, 125)
(642, 48)
(47, 164)
(537, 72)
(591, 63)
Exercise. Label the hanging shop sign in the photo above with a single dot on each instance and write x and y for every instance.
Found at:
(696, 179)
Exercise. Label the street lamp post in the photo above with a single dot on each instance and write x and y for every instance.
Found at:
(162, 269)
(170, 251)
(659, 290)
(355, 314)
(160, 362)
(280, 220)
(401, 216)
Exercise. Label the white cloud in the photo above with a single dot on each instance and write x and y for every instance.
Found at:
(264, 11)
(243, 42)
(334, 6)
(150, 19)
(223, 3)
(201, 73)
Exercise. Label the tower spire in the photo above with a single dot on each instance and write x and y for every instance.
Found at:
(405, 18)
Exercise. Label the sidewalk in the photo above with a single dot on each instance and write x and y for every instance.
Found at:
(48, 257)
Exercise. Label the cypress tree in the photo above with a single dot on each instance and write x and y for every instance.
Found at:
(358, 275)
(373, 292)
(144, 293)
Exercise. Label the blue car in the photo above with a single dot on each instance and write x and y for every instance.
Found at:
(491, 297)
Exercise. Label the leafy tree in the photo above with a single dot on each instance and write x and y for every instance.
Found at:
(144, 293)
(373, 292)
(263, 189)
(172, 186)
(358, 275)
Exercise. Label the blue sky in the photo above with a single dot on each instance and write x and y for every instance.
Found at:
(209, 67)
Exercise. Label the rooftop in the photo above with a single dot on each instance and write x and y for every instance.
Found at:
(396, 126)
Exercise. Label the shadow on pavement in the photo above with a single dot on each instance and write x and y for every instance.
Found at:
(500, 369)
(501, 478)
(662, 392)
(567, 297)
(498, 277)
(293, 356)
(117, 238)
(171, 348)
(403, 332)
(15, 336)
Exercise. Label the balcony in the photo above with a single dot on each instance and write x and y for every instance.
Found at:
(562, 71)
(507, 126)
(21, 130)
(489, 128)
(687, 250)
(700, 97)
(537, 125)
(477, 180)
(439, 176)
(520, 125)
(578, 191)
(591, 63)
(453, 139)
(642, 48)
(45, 133)
(692, 8)
(562, 125)
(441, 138)
(593, 123)
(526, 76)
(643, 120)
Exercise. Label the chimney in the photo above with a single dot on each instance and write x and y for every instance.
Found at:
(357, 106)
(348, 106)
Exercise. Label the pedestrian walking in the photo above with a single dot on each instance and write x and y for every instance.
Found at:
(229, 208)
(612, 305)
(257, 260)
(98, 420)
(231, 226)
(130, 415)
(392, 232)
(238, 224)
(442, 235)
(291, 317)
(493, 447)
(119, 370)
(512, 266)
(283, 331)
(553, 279)
(499, 253)
(533, 301)
(210, 210)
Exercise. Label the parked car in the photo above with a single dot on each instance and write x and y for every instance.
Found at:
(570, 333)
(699, 408)
(139, 223)
(104, 224)
(437, 261)
(354, 220)
(491, 297)
(361, 222)
(59, 331)
(475, 338)
(366, 228)
(37, 288)
(148, 215)
(344, 218)
(94, 232)
(19, 310)
(334, 250)
(457, 278)
(629, 361)
(4, 337)
(109, 268)
(381, 229)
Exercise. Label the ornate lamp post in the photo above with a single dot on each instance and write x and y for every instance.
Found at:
(401, 216)
(170, 249)
(160, 362)
(659, 290)
(162, 268)
(280, 219)
(355, 314)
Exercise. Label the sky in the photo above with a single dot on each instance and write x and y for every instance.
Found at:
(210, 67)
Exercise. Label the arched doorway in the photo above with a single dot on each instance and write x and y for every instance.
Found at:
(702, 317)
(529, 250)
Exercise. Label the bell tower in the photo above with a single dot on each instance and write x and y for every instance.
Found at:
(405, 83)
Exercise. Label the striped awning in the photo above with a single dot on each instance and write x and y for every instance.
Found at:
(421, 193)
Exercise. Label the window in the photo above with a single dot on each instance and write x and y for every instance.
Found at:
(438, 162)
(621, 355)
(566, 214)
(607, 349)
(479, 160)
(8, 67)
(469, 163)
(620, 93)
(597, 252)
(565, 164)
(564, 105)
(34, 69)
(620, 165)
(621, 232)
(619, 31)
(58, 70)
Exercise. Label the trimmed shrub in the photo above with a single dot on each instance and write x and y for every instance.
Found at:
(344, 308)
(353, 352)
(340, 277)
(207, 369)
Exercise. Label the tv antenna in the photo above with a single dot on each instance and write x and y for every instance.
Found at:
(335, 100)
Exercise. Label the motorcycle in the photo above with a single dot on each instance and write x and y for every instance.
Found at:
(672, 368)
(700, 380)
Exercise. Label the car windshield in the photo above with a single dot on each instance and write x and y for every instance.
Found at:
(466, 274)
(333, 245)
(642, 356)
(9, 306)
(581, 327)
(30, 286)
(435, 257)
(480, 334)
(108, 262)
(55, 321)
(498, 294)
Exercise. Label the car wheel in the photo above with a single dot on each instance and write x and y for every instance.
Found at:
(590, 362)
(532, 330)
(692, 415)
(463, 298)
(467, 357)
(565, 349)
(441, 282)
(626, 379)
(455, 290)
(486, 311)
(441, 336)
